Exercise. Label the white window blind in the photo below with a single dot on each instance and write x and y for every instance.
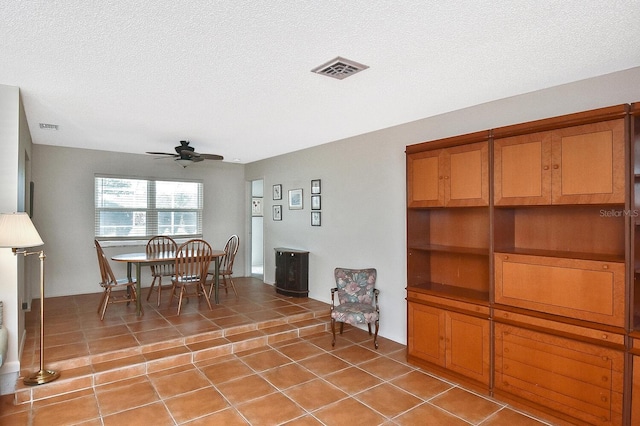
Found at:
(129, 208)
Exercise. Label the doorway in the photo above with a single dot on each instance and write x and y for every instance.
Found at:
(257, 229)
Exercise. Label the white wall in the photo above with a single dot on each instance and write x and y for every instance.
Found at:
(15, 143)
(363, 187)
(64, 208)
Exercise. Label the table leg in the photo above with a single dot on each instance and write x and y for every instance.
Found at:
(138, 291)
(217, 279)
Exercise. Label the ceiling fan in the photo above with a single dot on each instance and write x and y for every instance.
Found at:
(186, 155)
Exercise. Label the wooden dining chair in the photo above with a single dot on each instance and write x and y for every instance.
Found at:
(157, 247)
(226, 266)
(109, 282)
(191, 266)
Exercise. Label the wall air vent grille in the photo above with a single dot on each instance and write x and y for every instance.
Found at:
(48, 126)
(339, 68)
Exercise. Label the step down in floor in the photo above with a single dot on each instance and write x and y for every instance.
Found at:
(86, 372)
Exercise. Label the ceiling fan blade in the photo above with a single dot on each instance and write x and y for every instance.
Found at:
(161, 153)
(211, 157)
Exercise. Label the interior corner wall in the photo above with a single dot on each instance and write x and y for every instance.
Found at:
(363, 191)
(64, 207)
(15, 142)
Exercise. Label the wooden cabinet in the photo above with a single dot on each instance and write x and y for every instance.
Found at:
(292, 272)
(452, 340)
(454, 176)
(575, 165)
(578, 380)
(549, 253)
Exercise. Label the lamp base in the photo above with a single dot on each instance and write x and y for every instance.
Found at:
(41, 377)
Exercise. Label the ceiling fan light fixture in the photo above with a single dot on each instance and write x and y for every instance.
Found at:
(183, 162)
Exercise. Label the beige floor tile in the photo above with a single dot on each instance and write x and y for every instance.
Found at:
(266, 360)
(272, 409)
(421, 384)
(435, 415)
(176, 384)
(152, 414)
(192, 405)
(123, 398)
(315, 394)
(348, 412)
(352, 380)
(388, 400)
(67, 413)
(245, 389)
(288, 375)
(469, 406)
(228, 417)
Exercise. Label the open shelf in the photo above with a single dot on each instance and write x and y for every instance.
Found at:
(451, 249)
(453, 292)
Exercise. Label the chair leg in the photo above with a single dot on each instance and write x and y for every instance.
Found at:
(369, 325)
(204, 293)
(104, 295)
(341, 327)
(180, 298)
(233, 286)
(375, 337)
(106, 303)
(153, 283)
(333, 331)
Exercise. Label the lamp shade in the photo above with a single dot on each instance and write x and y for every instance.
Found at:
(17, 231)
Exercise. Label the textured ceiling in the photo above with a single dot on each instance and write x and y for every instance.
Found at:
(235, 77)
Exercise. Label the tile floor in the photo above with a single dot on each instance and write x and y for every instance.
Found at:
(301, 381)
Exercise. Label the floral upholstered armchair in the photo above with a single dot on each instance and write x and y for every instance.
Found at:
(358, 300)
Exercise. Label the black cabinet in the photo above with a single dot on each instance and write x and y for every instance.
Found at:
(292, 272)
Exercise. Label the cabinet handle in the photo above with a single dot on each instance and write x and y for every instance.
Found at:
(506, 257)
(446, 177)
(605, 266)
(605, 337)
(556, 167)
(440, 177)
(545, 168)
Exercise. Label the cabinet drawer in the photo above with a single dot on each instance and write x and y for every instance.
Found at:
(581, 289)
(578, 379)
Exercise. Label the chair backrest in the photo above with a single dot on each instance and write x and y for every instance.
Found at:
(192, 261)
(158, 246)
(355, 285)
(106, 273)
(230, 251)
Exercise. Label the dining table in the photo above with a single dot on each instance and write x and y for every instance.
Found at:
(140, 259)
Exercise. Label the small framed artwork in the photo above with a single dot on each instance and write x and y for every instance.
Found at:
(295, 199)
(315, 186)
(256, 207)
(277, 192)
(315, 202)
(315, 218)
(277, 212)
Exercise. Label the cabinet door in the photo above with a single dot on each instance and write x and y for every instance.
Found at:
(635, 392)
(467, 346)
(426, 331)
(578, 379)
(467, 175)
(582, 289)
(425, 179)
(522, 170)
(588, 164)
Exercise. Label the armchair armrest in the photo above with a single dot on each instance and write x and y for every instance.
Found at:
(333, 292)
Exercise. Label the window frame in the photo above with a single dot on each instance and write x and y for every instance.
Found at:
(151, 211)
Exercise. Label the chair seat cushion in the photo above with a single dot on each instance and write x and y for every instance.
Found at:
(354, 313)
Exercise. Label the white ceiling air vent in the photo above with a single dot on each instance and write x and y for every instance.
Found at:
(339, 68)
(48, 126)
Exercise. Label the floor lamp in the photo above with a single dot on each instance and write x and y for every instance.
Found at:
(18, 233)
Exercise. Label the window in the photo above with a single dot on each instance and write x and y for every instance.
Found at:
(132, 208)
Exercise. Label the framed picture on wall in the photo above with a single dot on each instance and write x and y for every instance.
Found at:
(295, 199)
(315, 202)
(256, 207)
(277, 212)
(277, 192)
(315, 218)
(315, 186)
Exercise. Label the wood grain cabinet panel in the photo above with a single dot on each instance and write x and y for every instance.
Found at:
(449, 177)
(451, 340)
(577, 379)
(583, 289)
(574, 165)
